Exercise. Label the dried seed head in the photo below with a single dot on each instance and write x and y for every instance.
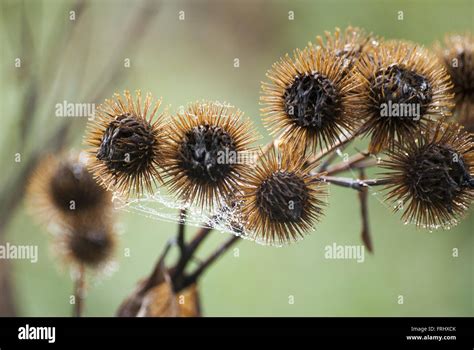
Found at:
(279, 189)
(201, 149)
(126, 154)
(398, 84)
(310, 98)
(404, 87)
(206, 153)
(351, 45)
(127, 135)
(431, 176)
(87, 241)
(71, 182)
(281, 199)
(62, 188)
(457, 55)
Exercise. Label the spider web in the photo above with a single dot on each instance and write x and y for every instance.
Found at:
(164, 207)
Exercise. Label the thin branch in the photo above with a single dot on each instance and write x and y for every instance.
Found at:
(181, 226)
(79, 293)
(344, 139)
(325, 164)
(214, 256)
(157, 273)
(199, 238)
(7, 305)
(193, 277)
(188, 253)
(357, 161)
(364, 211)
(356, 184)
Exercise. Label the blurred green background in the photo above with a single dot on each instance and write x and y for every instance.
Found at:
(82, 60)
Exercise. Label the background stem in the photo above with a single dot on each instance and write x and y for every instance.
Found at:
(79, 293)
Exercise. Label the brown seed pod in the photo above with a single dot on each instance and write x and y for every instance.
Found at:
(206, 153)
(404, 86)
(457, 56)
(86, 241)
(431, 175)
(162, 301)
(281, 199)
(126, 144)
(155, 296)
(351, 45)
(310, 100)
(62, 188)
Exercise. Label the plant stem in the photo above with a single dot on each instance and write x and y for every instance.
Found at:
(344, 139)
(157, 273)
(357, 161)
(79, 292)
(364, 212)
(187, 255)
(357, 184)
(192, 278)
(325, 164)
(181, 226)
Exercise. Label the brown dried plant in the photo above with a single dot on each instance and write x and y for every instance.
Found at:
(317, 102)
(404, 75)
(457, 56)
(127, 140)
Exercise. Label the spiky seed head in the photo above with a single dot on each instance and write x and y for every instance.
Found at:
(87, 241)
(430, 176)
(62, 188)
(206, 153)
(457, 56)
(404, 86)
(126, 143)
(281, 199)
(309, 100)
(351, 44)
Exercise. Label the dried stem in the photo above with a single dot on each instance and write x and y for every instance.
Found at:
(177, 273)
(325, 164)
(193, 277)
(180, 237)
(79, 292)
(7, 306)
(357, 161)
(344, 140)
(364, 212)
(357, 184)
(157, 272)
